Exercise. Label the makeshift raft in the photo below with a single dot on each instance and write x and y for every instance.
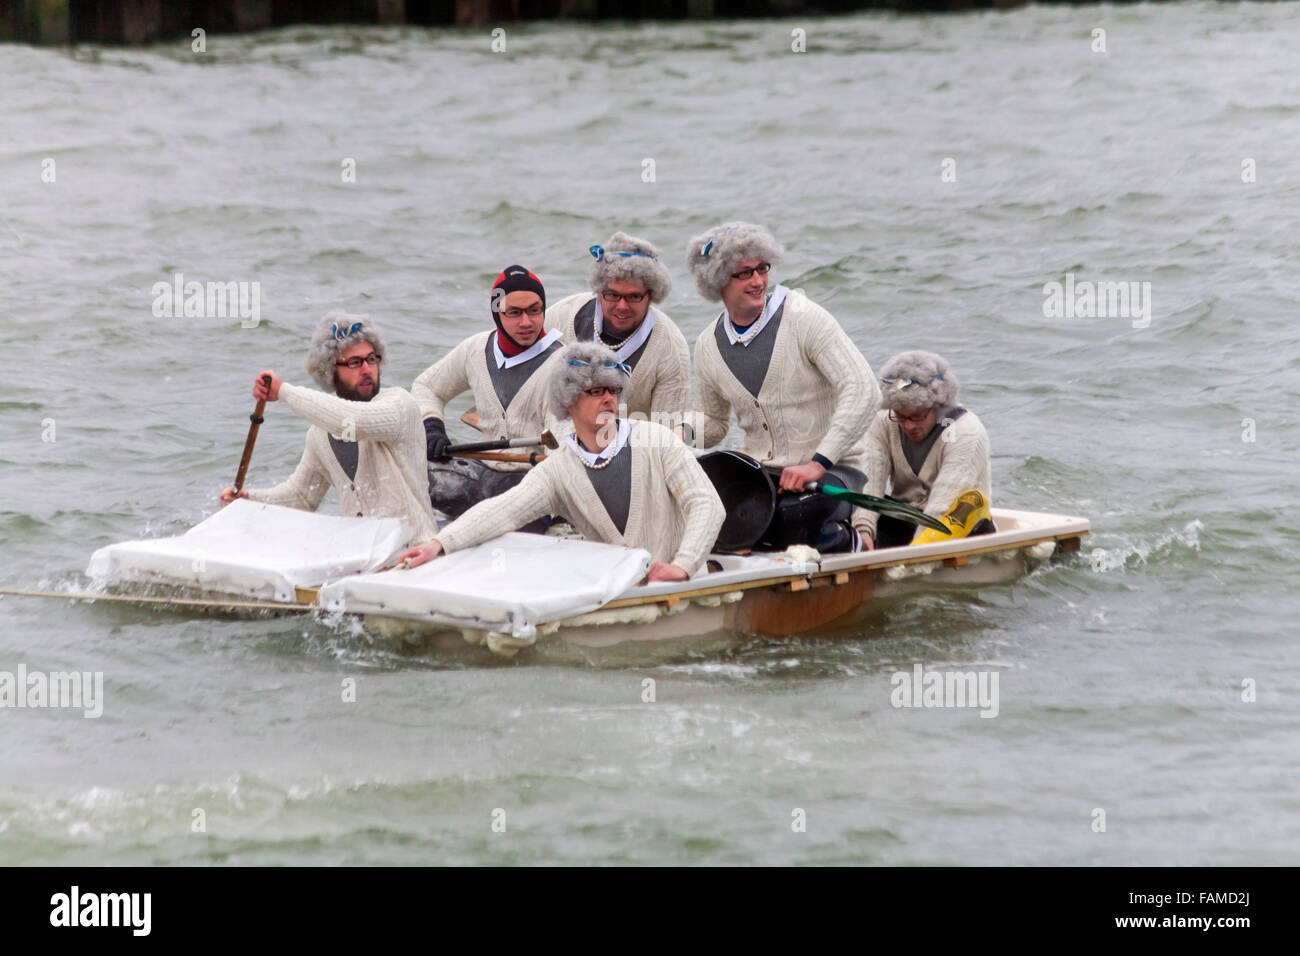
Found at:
(520, 589)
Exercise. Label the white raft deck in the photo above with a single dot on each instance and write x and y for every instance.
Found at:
(521, 589)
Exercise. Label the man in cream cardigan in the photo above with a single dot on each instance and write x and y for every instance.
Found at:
(621, 311)
(617, 481)
(365, 443)
(924, 445)
(502, 368)
(800, 389)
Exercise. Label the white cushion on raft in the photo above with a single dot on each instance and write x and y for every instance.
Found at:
(510, 584)
(256, 550)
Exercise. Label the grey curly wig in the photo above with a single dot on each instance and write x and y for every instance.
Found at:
(568, 381)
(326, 344)
(913, 381)
(712, 256)
(633, 260)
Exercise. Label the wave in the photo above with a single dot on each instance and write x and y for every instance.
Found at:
(1143, 552)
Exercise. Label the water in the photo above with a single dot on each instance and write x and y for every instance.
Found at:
(1121, 675)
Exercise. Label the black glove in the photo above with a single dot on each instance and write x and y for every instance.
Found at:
(435, 439)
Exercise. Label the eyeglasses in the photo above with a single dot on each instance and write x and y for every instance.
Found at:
(633, 298)
(762, 269)
(533, 310)
(354, 363)
(915, 419)
(599, 390)
(621, 366)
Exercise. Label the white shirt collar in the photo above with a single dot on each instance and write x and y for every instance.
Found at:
(633, 341)
(610, 450)
(534, 350)
(774, 301)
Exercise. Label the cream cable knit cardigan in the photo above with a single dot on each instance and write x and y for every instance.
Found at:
(950, 468)
(674, 513)
(392, 479)
(660, 387)
(465, 368)
(818, 396)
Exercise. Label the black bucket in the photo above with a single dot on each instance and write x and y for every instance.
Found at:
(747, 492)
(761, 518)
(800, 517)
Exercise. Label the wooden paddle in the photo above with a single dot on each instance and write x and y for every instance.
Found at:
(256, 420)
(470, 418)
(895, 509)
(532, 458)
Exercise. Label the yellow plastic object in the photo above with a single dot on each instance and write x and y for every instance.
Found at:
(966, 512)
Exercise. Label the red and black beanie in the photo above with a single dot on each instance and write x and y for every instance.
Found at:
(512, 279)
(515, 279)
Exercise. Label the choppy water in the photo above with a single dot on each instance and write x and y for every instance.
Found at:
(1121, 676)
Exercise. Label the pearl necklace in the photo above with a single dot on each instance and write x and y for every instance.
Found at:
(600, 462)
(751, 330)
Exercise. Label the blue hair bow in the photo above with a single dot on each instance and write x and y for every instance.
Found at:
(598, 253)
(621, 366)
(709, 245)
(899, 382)
(341, 334)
